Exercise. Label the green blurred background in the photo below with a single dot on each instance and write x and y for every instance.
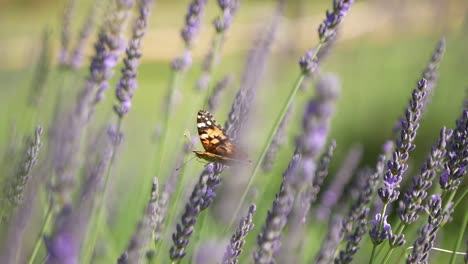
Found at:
(382, 49)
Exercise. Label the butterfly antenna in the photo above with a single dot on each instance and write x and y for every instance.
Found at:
(187, 136)
(185, 163)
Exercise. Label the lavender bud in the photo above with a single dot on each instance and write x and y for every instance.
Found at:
(183, 62)
(425, 241)
(379, 234)
(397, 166)
(331, 242)
(354, 226)
(456, 155)
(309, 62)
(268, 241)
(193, 21)
(278, 141)
(410, 206)
(76, 60)
(14, 190)
(333, 18)
(234, 249)
(333, 194)
(110, 45)
(128, 82)
(185, 228)
(137, 245)
(213, 101)
(65, 34)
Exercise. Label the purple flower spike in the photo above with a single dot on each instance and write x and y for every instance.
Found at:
(410, 206)
(128, 82)
(397, 166)
(186, 227)
(309, 62)
(234, 249)
(427, 235)
(269, 239)
(333, 18)
(379, 234)
(354, 226)
(229, 8)
(110, 46)
(193, 21)
(457, 155)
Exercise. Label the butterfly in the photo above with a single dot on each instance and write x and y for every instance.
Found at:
(218, 146)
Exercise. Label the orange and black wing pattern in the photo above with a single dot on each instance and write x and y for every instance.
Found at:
(217, 144)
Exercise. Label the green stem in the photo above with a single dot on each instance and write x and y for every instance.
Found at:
(382, 214)
(176, 76)
(460, 237)
(446, 203)
(270, 137)
(399, 229)
(99, 203)
(371, 259)
(38, 243)
(171, 214)
(457, 201)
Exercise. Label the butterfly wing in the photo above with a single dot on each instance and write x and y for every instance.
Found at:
(213, 138)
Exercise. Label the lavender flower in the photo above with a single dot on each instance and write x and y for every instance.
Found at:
(212, 184)
(193, 21)
(66, 29)
(63, 246)
(277, 142)
(354, 238)
(184, 230)
(163, 204)
(182, 63)
(213, 101)
(331, 241)
(327, 30)
(397, 166)
(221, 23)
(310, 144)
(410, 206)
(15, 188)
(76, 60)
(135, 249)
(377, 234)
(110, 45)
(17, 209)
(268, 241)
(309, 62)
(355, 224)
(457, 155)
(321, 172)
(253, 72)
(316, 124)
(234, 249)
(425, 241)
(229, 9)
(430, 73)
(331, 197)
(240, 111)
(128, 82)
